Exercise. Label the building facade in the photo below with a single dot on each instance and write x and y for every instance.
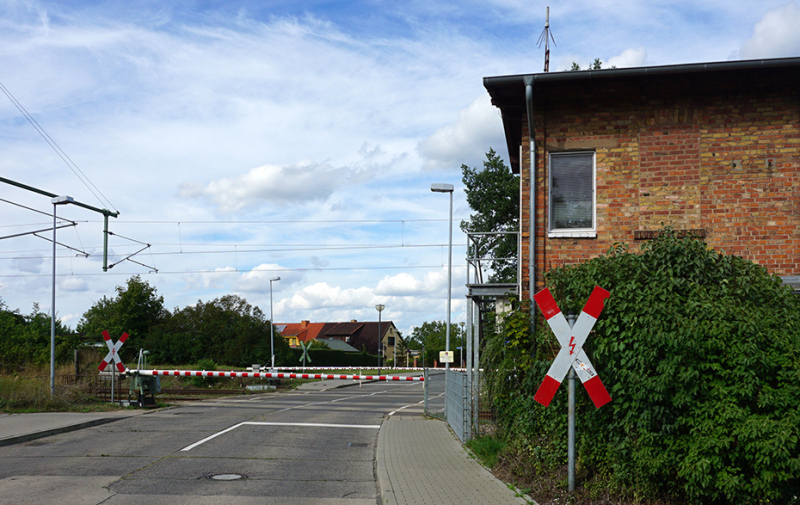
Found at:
(712, 149)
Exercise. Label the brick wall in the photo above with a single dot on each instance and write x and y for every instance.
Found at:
(721, 156)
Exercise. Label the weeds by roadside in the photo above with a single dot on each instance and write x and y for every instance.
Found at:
(29, 391)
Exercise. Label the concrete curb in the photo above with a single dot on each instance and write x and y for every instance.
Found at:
(386, 494)
(61, 429)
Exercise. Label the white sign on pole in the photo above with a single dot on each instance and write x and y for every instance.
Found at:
(445, 356)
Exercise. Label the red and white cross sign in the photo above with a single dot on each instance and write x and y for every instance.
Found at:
(113, 352)
(571, 353)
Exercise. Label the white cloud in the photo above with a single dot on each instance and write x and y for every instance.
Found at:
(321, 295)
(628, 58)
(403, 284)
(73, 284)
(270, 185)
(257, 279)
(776, 35)
(478, 128)
(29, 265)
(219, 278)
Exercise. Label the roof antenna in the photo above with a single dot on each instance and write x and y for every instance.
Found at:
(546, 37)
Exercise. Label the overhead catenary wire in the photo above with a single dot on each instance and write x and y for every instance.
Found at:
(237, 249)
(232, 271)
(57, 149)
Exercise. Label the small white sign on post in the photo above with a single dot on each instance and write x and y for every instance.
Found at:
(445, 356)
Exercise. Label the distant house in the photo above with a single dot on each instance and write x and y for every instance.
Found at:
(360, 335)
(336, 345)
(294, 333)
(607, 156)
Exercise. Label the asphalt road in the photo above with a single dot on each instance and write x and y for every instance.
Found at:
(277, 448)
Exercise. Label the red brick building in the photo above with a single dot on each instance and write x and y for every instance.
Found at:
(711, 148)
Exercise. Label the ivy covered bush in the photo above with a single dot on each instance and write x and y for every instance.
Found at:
(700, 352)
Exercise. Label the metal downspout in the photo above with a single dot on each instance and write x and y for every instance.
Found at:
(528, 80)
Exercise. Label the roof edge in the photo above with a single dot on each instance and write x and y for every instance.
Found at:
(642, 71)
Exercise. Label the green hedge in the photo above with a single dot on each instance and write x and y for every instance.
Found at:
(330, 357)
(701, 354)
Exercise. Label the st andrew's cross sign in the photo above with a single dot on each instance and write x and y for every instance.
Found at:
(113, 352)
(571, 353)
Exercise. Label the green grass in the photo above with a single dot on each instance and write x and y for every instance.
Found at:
(486, 449)
(30, 392)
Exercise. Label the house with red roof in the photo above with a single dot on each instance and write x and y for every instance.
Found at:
(372, 337)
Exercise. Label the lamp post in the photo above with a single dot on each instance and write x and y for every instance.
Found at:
(380, 308)
(272, 324)
(447, 188)
(58, 200)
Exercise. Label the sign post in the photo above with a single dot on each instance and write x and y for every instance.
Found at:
(305, 347)
(572, 334)
(113, 357)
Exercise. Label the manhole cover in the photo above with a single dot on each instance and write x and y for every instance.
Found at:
(227, 476)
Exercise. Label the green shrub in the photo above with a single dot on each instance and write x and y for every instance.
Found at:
(701, 354)
(204, 365)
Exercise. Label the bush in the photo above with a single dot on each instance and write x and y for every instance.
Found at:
(701, 354)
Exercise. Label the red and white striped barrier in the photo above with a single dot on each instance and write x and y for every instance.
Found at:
(262, 375)
(571, 353)
(389, 369)
(299, 368)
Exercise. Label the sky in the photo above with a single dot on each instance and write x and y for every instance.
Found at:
(249, 140)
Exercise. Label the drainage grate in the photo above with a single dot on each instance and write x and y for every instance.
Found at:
(353, 444)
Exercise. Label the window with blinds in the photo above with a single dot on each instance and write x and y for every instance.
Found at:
(572, 192)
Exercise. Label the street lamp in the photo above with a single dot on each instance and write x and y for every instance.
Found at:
(380, 308)
(272, 324)
(58, 200)
(447, 188)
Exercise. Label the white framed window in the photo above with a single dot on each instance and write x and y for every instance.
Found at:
(572, 195)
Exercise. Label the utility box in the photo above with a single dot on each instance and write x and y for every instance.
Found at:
(144, 388)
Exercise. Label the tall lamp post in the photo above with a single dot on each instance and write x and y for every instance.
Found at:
(379, 308)
(447, 188)
(272, 324)
(58, 200)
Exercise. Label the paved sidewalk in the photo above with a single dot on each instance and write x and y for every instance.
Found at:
(420, 462)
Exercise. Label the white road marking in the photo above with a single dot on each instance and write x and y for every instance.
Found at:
(215, 435)
(264, 423)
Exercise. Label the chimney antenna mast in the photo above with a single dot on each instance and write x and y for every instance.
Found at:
(545, 38)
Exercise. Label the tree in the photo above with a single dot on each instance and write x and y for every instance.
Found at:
(135, 310)
(432, 336)
(25, 340)
(227, 330)
(493, 193)
(597, 64)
